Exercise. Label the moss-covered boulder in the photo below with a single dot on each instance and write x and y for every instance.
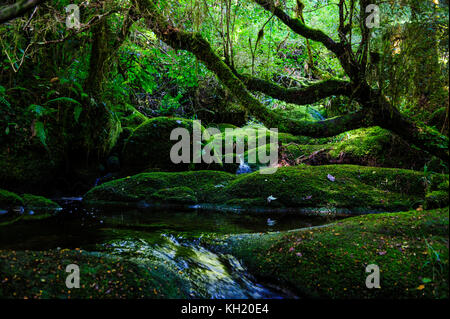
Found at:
(34, 201)
(178, 195)
(410, 249)
(438, 197)
(366, 146)
(9, 199)
(26, 207)
(192, 186)
(334, 186)
(102, 276)
(357, 188)
(149, 145)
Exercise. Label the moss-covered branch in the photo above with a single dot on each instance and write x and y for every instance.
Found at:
(194, 43)
(341, 50)
(300, 28)
(17, 9)
(300, 96)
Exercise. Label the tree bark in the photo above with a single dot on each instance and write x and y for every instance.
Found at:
(301, 96)
(17, 9)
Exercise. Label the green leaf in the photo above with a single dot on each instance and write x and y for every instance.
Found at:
(63, 99)
(38, 109)
(40, 132)
(77, 112)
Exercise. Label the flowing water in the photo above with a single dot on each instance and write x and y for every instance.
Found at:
(166, 236)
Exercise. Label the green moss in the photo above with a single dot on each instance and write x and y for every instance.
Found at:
(366, 146)
(206, 185)
(248, 136)
(8, 199)
(286, 138)
(410, 248)
(34, 201)
(223, 126)
(354, 187)
(42, 275)
(149, 145)
(181, 194)
(436, 199)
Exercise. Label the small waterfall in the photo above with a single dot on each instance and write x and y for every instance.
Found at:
(211, 275)
(316, 114)
(243, 167)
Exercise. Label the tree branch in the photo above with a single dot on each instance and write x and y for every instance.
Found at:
(300, 28)
(342, 51)
(17, 9)
(194, 43)
(299, 96)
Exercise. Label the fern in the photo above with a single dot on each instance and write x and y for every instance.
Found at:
(63, 99)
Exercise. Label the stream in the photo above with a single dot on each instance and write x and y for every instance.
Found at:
(166, 236)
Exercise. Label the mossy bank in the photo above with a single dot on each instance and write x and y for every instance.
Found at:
(410, 249)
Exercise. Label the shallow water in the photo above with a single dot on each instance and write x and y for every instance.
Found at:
(167, 236)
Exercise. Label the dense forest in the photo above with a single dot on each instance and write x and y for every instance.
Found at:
(349, 97)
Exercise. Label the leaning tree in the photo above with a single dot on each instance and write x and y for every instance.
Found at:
(375, 108)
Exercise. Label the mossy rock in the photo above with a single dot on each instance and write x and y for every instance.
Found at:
(358, 188)
(436, 199)
(149, 145)
(366, 146)
(9, 199)
(331, 261)
(344, 186)
(199, 185)
(34, 201)
(98, 272)
(181, 194)
(25, 207)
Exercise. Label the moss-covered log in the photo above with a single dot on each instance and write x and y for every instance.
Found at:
(301, 96)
